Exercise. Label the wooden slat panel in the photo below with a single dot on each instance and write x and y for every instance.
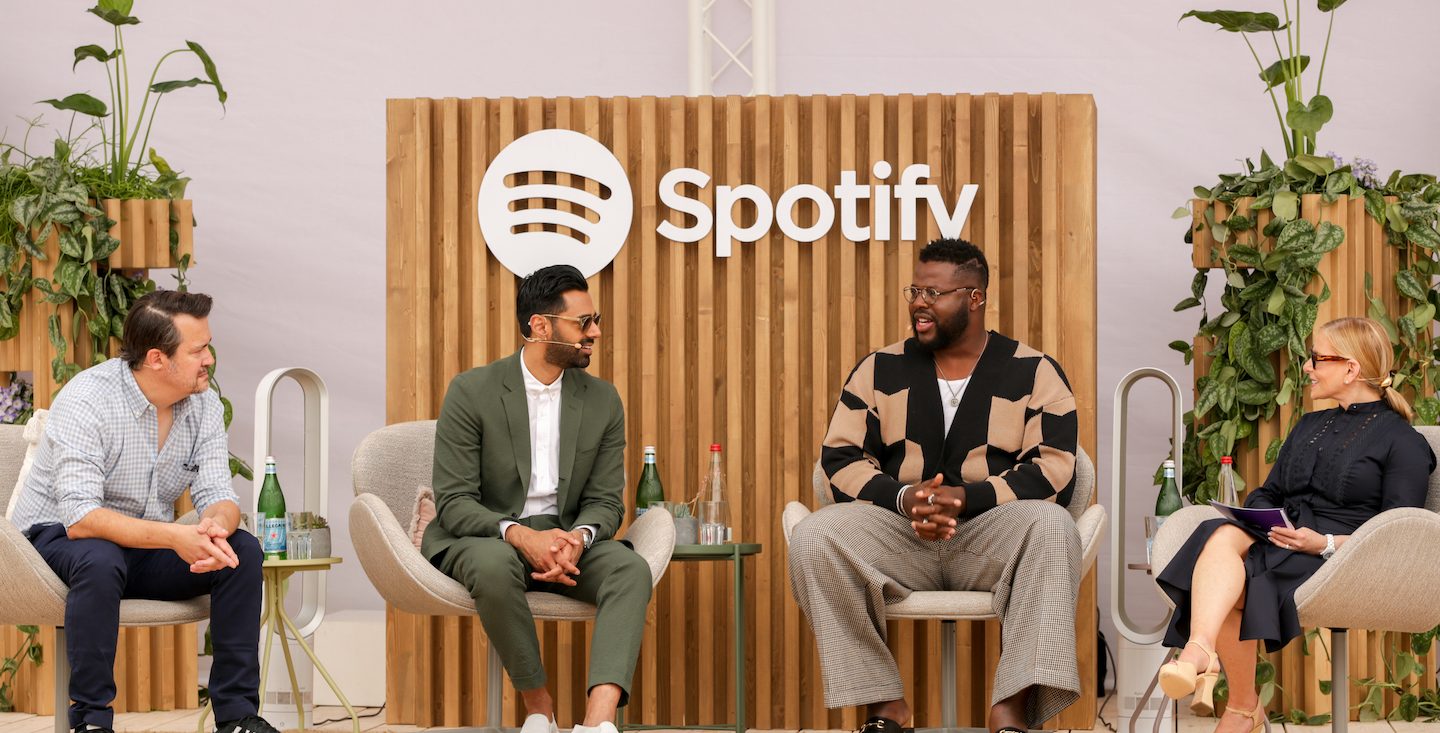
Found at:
(748, 351)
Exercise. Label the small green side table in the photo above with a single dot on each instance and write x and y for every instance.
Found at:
(732, 553)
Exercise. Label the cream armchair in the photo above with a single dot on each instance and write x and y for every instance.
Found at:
(952, 606)
(34, 595)
(388, 467)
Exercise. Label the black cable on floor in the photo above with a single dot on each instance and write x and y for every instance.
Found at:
(1115, 672)
(366, 715)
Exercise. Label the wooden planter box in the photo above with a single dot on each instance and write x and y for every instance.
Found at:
(1364, 251)
(155, 668)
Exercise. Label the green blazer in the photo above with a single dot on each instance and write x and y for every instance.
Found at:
(482, 454)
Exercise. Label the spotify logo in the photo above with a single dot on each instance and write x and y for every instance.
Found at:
(585, 228)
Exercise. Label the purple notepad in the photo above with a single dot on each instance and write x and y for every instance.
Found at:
(1260, 519)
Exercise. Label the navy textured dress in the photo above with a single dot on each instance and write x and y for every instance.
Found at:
(1338, 468)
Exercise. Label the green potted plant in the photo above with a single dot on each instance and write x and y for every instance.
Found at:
(320, 537)
(1304, 238)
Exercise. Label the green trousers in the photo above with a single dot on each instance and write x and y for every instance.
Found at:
(612, 577)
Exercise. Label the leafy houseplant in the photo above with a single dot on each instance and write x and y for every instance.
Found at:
(29, 651)
(1264, 230)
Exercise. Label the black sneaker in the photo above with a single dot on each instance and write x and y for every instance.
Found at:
(878, 724)
(89, 728)
(247, 724)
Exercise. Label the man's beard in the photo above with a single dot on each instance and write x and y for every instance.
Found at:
(567, 357)
(945, 332)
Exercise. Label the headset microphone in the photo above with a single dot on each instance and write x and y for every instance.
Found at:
(576, 344)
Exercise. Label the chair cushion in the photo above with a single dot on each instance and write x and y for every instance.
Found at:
(34, 430)
(422, 515)
(960, 605)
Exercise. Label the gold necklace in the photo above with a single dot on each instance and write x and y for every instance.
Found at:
(955, 396)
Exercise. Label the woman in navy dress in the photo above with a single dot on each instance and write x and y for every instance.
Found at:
(1338, 468)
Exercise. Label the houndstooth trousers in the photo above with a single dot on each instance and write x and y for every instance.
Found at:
(848, 560)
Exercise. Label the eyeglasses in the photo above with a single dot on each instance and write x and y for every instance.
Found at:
(911, 292)
(584, 320)
(1315, 359)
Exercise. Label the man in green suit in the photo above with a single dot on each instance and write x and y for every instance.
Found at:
(528, 481)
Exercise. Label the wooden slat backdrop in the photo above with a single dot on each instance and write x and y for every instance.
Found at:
(1364, 251)
(749, 351)
(155, 668)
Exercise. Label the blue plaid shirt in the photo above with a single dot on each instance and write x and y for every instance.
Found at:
(99, 450)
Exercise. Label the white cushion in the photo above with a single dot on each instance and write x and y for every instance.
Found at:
(34, 429)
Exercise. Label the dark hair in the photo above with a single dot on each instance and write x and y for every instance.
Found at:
(543, 291)
(151, 323)
(960, 253)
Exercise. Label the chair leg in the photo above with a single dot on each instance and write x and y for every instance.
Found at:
(494, 689)
(947, 674)
(61, 661)
(1339, 681)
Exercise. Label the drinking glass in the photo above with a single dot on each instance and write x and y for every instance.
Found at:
(297, 545)
(713, 518)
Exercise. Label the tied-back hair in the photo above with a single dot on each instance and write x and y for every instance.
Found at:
(1365, 341)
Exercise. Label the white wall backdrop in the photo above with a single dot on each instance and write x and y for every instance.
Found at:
(289, 180)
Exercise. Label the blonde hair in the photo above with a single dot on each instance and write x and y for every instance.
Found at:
(1365, 341)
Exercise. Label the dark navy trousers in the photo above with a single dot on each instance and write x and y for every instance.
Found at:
(100, 573)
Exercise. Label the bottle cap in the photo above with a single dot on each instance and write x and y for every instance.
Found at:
(1227, 460)
(269, 459)
(650, 449)
(1169, 463)
(714, 447)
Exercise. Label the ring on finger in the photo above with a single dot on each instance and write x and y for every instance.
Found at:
(930, 499)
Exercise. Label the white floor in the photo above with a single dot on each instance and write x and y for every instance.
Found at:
(333, 719)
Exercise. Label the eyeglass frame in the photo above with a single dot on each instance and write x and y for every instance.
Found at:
(930, 294)
(1317, 359)
(585, 321)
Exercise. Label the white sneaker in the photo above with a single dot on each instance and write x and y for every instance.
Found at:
(538, 723)
(606, 727)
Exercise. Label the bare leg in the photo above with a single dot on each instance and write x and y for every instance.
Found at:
(538, 701)
(895, 710)
(1238, 658)
(1010, 712)
(602, 704)
(1216, 588)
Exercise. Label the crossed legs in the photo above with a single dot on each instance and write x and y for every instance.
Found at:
(1216, 599)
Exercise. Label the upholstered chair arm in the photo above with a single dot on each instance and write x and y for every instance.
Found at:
(1172, 535)
(33, 594)
(653, 537)
(404, 578)
(794, 512)
(1379, 578)
(1091, 527)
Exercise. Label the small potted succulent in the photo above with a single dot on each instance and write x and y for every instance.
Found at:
(320, 538)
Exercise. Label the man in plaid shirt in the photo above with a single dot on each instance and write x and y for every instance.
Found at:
(123, 440)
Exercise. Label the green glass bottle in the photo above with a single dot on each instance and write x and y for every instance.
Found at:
(649, 490)
(1168, 502)
(270, 514)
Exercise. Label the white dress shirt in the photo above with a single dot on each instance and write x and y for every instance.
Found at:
(543, 403)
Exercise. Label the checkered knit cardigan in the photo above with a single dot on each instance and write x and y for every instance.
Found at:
(1013, 437)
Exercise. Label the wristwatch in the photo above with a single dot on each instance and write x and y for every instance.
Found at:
(1329, 547)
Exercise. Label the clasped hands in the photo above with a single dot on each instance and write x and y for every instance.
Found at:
(933, 508)
(205, 546)
(553, 553)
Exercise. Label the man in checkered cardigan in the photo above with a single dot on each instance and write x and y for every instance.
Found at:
(950, 456)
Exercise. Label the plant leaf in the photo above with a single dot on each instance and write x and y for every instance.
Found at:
(210, 72)
(1287, 205)
(1409, 285)
(1283, 71)
(1329, 5)
(111, 13)
(165, 87)
(1237, 21)
(1310, 117)
(82, 103)
(92, 51)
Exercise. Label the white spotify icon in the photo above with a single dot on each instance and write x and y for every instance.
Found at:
(597, 230)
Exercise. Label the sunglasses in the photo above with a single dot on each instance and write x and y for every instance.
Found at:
(1315, 359)
(584, 320)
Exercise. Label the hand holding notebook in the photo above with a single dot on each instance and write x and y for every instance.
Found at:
(1254, 519)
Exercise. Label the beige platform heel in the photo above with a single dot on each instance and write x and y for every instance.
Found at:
(1178, 679)
(1260, 721)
